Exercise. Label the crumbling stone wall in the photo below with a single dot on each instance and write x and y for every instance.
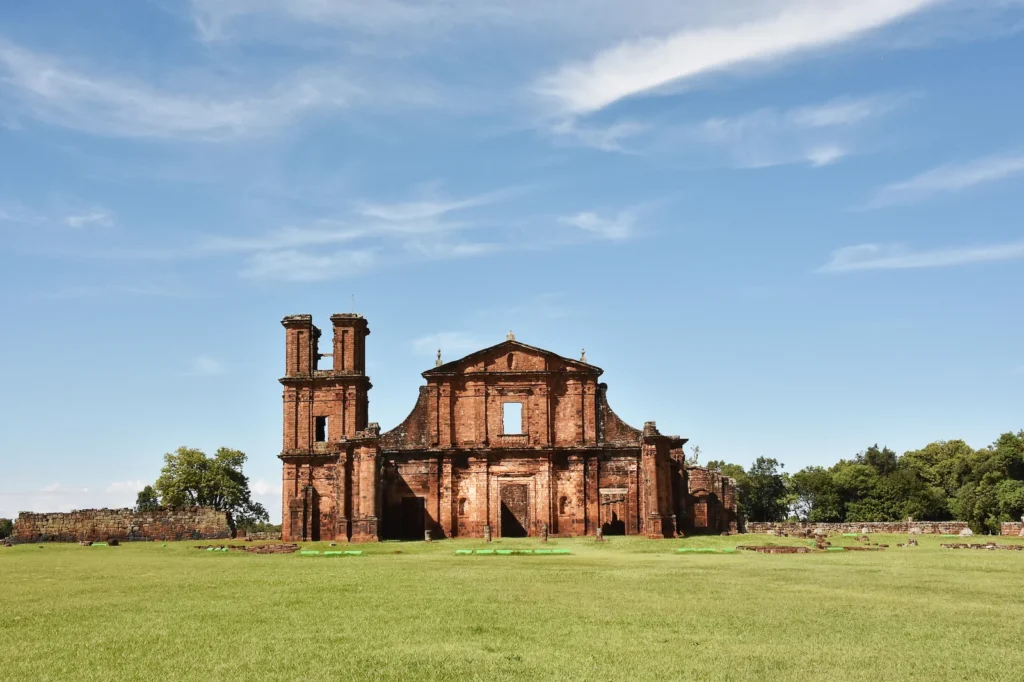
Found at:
(1014, 528)
(898, 527)
(123, 525)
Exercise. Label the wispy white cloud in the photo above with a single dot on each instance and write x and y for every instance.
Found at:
(899, 257)
(423, 210)
(825, 155)
(130, 487)
(43, 87)
(949, 178)
(98, 217)
(452, 344)
(375, 234)
(264, 488)
(302, 266)
(845, 111)
(205, 366)
(645, 64)
(608, 138)
(817, 134)
(321, 233)
(617, 227)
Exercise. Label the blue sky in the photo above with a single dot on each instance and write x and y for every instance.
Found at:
(788, 228)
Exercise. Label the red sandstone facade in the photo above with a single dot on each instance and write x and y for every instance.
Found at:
(507, 441)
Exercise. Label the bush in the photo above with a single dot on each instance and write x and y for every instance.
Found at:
(6, 528)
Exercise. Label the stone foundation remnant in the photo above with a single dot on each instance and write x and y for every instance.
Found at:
(501, 442)
(283, 548)
(988, 545)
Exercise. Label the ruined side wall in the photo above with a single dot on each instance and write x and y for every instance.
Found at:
(1012, 528)
(122, 524)
(900, 527)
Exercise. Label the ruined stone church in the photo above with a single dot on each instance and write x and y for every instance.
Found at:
(508, 441)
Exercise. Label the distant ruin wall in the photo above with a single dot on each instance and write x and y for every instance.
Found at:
(123, 525)
(1012, 528)
(899, 527)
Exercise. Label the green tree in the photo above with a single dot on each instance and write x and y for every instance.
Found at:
(6, 528)
(943, 464)
(882, 460)
(147, 499)
(190, 478)
(817, 498)
(764, 491)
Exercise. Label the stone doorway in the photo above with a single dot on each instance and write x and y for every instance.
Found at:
(413, 516)
(613, 511)
(515, 510)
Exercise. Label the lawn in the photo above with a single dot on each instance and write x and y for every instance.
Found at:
(629, 608)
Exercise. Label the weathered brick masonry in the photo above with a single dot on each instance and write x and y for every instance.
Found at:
(923, 527)
(1012, 528)
(508, 441)
(122, 525)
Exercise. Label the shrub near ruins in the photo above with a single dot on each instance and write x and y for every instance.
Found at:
(6, 526)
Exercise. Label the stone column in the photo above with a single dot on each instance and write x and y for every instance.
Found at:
(445, 516)
(368, 465)
(341, 485)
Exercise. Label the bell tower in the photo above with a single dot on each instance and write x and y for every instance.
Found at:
(325, 420)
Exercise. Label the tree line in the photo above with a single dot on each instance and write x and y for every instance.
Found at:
(943, 481)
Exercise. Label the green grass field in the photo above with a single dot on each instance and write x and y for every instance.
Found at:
(626, 609)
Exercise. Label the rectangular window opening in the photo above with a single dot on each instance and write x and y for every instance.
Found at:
(512, 418)
(321, 429)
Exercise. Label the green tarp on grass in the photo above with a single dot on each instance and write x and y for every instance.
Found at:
(335, 553)
(99, 544)
(503, 551)
(851, 535)
(485, 551)
(309, 552)
(541, 551)
(835, 549)
(463, 551)
(560, 551)
(353, 552)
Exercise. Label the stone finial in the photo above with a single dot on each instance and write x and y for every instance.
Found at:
(438, 363)
(510, 336)
(583, 355)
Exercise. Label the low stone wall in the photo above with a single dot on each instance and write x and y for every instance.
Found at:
(1015, 528)
(191, 523)
(899, 527)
